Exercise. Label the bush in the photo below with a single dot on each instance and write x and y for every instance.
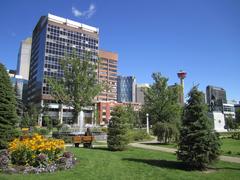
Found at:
(138, 135)
(166, 132)
(236, 135)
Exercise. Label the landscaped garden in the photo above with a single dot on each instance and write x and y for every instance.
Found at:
(99, 163)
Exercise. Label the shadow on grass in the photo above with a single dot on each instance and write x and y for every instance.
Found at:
(155, 144)
(162, 163)
(177, 165)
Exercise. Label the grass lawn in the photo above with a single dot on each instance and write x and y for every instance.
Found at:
(131, 164)
(229, 147)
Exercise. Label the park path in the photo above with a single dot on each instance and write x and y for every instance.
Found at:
(144, 145)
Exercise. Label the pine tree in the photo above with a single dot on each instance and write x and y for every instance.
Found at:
(8, 114)
(199, 145)
(117, 130)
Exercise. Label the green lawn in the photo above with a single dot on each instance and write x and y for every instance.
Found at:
(229, 147)
(131, 164)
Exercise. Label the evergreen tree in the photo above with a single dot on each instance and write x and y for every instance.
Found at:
(8, 115)
(117, 130)
(163, 107)
(199, 145)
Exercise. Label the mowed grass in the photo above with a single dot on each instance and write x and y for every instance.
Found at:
(230, 147)
(139, 164)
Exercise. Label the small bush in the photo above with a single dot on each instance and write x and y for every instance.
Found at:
(138, 135)
(236, 135)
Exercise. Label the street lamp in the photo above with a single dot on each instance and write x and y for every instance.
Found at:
(147, 123)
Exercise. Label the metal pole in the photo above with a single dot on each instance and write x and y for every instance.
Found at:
(147, 123)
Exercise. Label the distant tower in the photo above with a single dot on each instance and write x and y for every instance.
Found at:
(181, 75)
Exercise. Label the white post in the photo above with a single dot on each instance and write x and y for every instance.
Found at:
(147, 123)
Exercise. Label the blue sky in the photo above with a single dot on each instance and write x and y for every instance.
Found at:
(201, 37)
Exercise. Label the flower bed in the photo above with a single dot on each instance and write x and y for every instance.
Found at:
(35, 154)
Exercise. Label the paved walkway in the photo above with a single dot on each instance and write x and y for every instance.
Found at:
(172, 150)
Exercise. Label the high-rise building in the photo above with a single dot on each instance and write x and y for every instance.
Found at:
(126, 89)
(216, 97)
(140, 88)
(107, 75)
(20, 83)
(24, 56)
(52, 38)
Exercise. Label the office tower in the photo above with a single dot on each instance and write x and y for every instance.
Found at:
(126, 89)
(216, 97)
(20, 83)
(24, 56)
(107, 75)
(140, 88)
(52, 38)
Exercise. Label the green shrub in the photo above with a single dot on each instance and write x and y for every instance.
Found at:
(166, 132)
(138, 135)
(236, 135)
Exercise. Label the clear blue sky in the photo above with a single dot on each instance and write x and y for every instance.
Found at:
(201, 37)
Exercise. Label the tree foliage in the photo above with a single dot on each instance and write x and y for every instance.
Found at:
(161, 103)
(166, 132)
(230, 123)
(8, 115)
(79, 85)
(237, 117)
(117, 130)
(198, 145)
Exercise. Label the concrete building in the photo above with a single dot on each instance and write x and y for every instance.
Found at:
(107, 75)
(216, 97)
(52, 38)
(126, 89)
(229, 110)
(24, 56)
(140, 88)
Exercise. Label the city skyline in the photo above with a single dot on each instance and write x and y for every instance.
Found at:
(201, 38)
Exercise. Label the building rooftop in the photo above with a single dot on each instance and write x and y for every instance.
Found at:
(72, 23)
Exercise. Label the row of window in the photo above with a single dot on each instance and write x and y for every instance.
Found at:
(58, 30)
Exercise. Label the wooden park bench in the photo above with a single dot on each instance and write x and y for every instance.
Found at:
(86, 140)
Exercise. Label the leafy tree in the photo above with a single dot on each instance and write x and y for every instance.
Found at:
(79, 85)
(199, 145)
(161, 103)
(25, 122)
(48, 122)
(237, 117)
(33, 112)
(8, 115)
(58, 92)
(230, 124)
(166, 132)
(117, 130)
(131, 116)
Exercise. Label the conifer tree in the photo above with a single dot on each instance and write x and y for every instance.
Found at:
(198, 144)
(117, 130)
(8, 114)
